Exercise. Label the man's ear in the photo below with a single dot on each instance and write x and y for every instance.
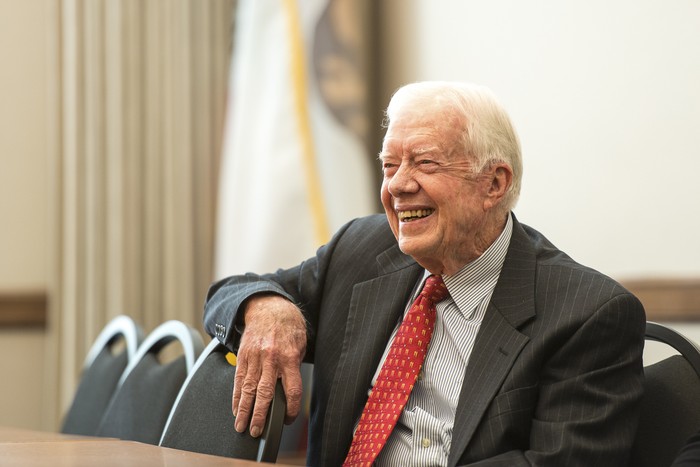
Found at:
(500, 180)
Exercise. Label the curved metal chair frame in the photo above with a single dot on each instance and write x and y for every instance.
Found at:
(670, 408)
(660, 333)
(102, 369)
(147, 387)
(121, 325)
(163, 335)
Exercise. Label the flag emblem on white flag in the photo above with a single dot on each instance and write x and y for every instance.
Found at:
(295, 166)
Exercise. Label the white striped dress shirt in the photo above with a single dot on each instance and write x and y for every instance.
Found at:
(423, 433)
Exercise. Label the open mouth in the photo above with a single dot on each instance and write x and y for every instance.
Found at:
(409, 216)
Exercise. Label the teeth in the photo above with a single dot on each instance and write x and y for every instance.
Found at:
(408, 216)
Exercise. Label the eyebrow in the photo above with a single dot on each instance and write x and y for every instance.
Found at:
(414, 152)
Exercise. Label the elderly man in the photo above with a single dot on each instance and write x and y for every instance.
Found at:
(446, 332)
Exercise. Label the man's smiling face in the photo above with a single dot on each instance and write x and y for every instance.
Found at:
(435, 203)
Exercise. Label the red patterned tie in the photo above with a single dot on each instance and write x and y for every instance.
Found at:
(397, 376)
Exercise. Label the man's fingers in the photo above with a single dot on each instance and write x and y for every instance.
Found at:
(252, 396)
(245, 390)
(264, 395)
(272, 344)
(291, 381)
(241, 368)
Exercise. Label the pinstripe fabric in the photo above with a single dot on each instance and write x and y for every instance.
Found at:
(398, 373)
(554, 377)
(423, 434)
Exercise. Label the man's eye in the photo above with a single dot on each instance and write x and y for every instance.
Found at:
(426, 162)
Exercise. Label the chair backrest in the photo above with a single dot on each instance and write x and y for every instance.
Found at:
(671, 403)
(104, 364)
(201, 418)
(148, 387)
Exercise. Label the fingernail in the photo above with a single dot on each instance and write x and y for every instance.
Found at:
(239, 427)
(255, 431)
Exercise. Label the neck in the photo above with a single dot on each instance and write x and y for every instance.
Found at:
(451, 262)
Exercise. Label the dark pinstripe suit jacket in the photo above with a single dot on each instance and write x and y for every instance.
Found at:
(555, 376)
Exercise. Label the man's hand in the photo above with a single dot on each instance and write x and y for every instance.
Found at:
(273, 345)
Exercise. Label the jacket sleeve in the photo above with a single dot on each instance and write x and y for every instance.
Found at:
(302, 285)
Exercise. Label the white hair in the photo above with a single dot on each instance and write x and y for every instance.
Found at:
(488, 134)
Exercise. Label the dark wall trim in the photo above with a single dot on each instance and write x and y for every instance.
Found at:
(668, 299)
(23, 309)
(663, 299)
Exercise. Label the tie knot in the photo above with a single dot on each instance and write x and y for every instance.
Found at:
(435, 289)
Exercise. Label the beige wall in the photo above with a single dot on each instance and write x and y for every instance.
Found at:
(23, 199)
(23, 178)
(605, 98)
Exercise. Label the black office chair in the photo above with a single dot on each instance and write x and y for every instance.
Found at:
(671, 403)
(201, 418)
(148, 387)
(104, 364)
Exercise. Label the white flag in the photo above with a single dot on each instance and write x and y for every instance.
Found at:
(294, 166)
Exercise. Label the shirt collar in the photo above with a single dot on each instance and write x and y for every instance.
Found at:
(477, 279)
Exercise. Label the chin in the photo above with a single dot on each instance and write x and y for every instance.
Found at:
(410, 247)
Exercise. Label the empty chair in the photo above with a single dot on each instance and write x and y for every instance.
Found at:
(104, 364)
(201, 418)
(671, 403)
(148, 387)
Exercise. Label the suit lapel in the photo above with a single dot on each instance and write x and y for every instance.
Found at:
(375, 308)
(498, 342)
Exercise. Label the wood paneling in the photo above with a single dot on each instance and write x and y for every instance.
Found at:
(668, 299)
(25, 309)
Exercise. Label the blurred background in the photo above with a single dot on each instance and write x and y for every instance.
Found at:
(144, 141)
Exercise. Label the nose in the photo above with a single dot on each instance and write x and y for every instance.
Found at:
(403, 181)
